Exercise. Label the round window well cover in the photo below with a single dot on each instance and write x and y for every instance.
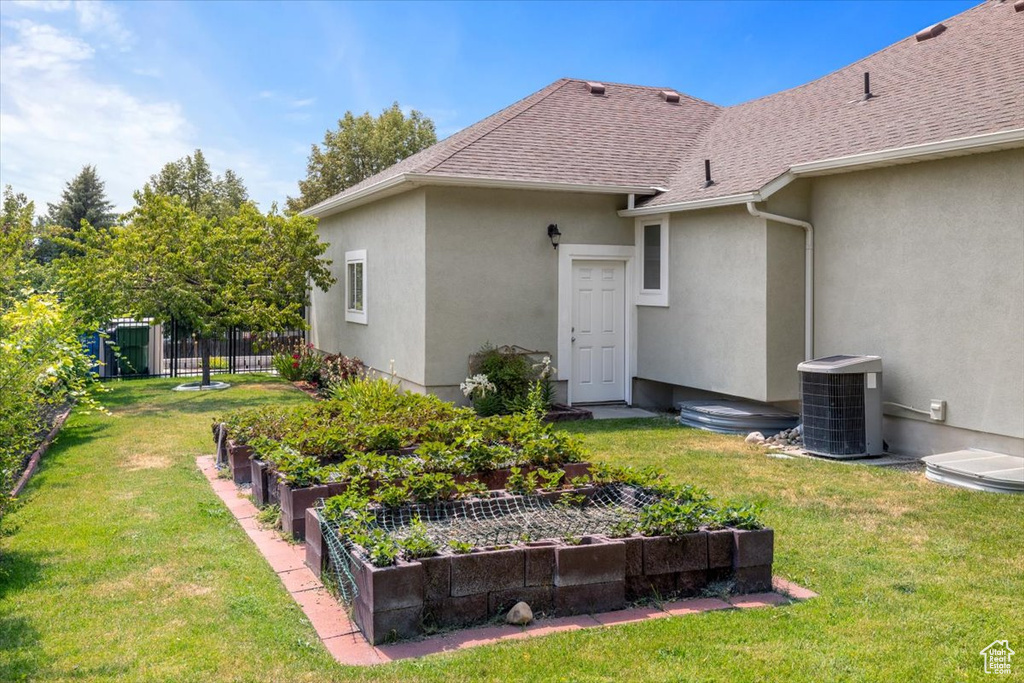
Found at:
(199, 386)
(735, 416)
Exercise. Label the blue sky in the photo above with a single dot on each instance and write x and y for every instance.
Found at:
(128, 86)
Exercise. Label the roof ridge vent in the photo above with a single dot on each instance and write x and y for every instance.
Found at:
(595, 88)
(673, 96)
(930, 32)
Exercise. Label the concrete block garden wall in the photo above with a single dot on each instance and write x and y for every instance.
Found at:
(554, 577)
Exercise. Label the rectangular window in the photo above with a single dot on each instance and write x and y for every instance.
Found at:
(355, 286)
(652, 254)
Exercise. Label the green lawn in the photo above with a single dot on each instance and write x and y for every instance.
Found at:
(122, 564)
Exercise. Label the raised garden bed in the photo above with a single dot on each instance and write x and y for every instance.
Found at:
(597, 575)
(295, 501)
(375, 434)
(555, 576)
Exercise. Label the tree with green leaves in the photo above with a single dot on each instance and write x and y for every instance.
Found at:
(360, 147)
(200, 190)
(208, 273)
(84, 199)
(43, 365)
(19, 240)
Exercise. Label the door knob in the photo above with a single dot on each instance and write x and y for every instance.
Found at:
(574, 339)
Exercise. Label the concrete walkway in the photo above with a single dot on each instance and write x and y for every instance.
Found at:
(618, 412)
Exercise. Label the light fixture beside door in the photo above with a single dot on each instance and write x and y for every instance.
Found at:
(554, 235)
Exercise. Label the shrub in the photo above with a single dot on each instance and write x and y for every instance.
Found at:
(503, 380)
(335, 370)
(43, 367)
(298, 362)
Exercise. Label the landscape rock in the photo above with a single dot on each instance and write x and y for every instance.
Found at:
(755, 437)
(520, 614)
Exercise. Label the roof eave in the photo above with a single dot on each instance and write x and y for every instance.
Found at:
(407, 181)
(974, 144)
(986, 142)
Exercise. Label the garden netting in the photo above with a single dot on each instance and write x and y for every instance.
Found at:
(499, 520)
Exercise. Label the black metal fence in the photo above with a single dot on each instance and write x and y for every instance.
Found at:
(132, 348)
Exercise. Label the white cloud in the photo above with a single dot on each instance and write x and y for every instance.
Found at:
(56, 117)
(94, 17)
(101, 19)
(44, 5)
(308, 102)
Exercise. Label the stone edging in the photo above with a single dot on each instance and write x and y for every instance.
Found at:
(347, 645)
(33, 462)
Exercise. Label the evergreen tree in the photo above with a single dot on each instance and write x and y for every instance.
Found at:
(84, 198)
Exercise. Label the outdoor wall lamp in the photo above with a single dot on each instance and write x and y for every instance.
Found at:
(554, 235)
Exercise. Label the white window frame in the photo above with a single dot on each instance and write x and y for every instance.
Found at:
(352, 258)
(659, 296)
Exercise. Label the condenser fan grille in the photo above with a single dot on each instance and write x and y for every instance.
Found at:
(833, 413)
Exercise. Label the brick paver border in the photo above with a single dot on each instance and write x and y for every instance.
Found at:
(346, 643)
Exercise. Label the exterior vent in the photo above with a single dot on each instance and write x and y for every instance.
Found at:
(595, 88)
(841, 406)
(673, 96)
(930, 32)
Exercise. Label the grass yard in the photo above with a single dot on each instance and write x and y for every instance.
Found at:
(123, 565)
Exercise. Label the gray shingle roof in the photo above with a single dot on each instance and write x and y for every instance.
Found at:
(966, 81)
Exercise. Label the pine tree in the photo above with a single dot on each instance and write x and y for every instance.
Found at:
(84, 198)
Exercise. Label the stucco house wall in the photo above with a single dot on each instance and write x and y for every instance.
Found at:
(492, 274)
(923, 265)
(392, 231)
(711, 336)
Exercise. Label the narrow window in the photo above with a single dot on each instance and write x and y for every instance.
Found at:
(355, 286)
(652, 256)
(652, 261)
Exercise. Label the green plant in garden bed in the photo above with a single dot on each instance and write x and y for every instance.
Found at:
(297, 362)
(735, 516)
(672, 518)
(416, 543)
(368, 421)
(336, 369)
(503, 381)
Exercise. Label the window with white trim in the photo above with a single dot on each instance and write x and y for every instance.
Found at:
(652, 256)
(355, 286)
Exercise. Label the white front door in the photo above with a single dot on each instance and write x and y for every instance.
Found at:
(598, 331)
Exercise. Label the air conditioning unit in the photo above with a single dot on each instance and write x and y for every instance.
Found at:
(841, 406)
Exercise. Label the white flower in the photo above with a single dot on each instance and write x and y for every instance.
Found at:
(477, 385)
(546, 368)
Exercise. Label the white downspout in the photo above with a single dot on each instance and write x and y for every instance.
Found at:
(808, 272)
